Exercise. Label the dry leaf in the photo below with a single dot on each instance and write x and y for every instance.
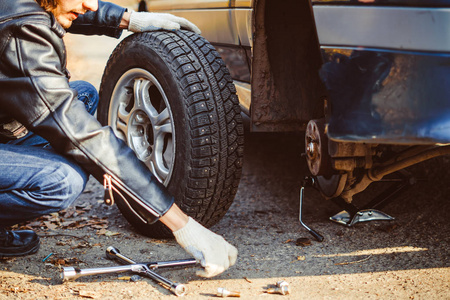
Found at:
(128, 278)
(111, 233)
(99, 226)
(50, 225)
(87, 294)
(303, 242)
(101, 231)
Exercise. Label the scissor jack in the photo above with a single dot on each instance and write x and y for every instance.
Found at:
(352, 214)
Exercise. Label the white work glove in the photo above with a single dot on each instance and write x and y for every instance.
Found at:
(209, 249)
(146, 21)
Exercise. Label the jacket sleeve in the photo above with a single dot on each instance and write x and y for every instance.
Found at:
(37, 94)
(104, 21)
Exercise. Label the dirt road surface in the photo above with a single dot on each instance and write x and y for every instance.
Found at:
(407, 258)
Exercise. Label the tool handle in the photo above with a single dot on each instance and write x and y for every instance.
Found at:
(175, 288)
(71, 273)
(171, 263)
(113, 253)
(316, 235)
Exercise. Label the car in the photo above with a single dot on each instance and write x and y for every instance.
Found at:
(366, 81)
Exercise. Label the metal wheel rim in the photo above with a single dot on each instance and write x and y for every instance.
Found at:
(140, 114)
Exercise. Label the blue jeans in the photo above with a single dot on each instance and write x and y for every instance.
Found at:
(35, 180)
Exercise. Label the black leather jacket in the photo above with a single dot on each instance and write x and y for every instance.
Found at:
(34, 91)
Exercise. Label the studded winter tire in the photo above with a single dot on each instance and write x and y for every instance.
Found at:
(170, 97)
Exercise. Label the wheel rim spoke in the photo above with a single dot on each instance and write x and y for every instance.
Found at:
(144, 119)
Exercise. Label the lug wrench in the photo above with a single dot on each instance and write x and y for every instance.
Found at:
(69, 273)
(177, 289)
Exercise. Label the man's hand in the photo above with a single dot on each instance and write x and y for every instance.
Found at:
(146, 21)
(211, 250)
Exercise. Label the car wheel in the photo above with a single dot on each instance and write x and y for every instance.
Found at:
(170, 97)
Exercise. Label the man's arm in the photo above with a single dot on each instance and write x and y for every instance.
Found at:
(106, 20)
(110, 19)
(37, 94)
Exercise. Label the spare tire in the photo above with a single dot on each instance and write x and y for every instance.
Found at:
(170, 97)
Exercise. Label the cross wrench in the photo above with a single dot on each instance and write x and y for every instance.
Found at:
(69, 273)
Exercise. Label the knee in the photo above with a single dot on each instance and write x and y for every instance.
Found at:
(87, 94)
(64, 183)
(72, 185)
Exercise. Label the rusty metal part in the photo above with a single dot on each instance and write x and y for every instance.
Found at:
(316, 143)
(405, 159)
(332, 186)
(222, 292)
(347, 149)
(286, 87)
(351, 214)
(413, 158)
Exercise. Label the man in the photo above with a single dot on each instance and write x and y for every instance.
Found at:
(49, 142)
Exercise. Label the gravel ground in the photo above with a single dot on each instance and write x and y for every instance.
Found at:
(407, 258)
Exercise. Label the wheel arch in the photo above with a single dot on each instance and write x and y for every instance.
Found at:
(286, 89)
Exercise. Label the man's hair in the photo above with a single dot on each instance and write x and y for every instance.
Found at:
(47, 4)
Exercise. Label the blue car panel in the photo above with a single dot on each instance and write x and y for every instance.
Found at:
(387, 70)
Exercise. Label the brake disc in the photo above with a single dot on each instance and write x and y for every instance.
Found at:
(328, 181)
(332, 186)
(316, 143)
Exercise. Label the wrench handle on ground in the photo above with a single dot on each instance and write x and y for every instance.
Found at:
(71, 273)
(177, 289)
(171, 263)
(113, 253)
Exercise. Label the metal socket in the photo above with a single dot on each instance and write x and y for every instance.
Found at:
(222, 292)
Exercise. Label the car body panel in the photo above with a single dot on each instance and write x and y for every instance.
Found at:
(155, 5)
(388, 97)
(389, 77)
(413, 29)
(224, 22)
(403, 3)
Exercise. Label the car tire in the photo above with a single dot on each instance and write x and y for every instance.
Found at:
(170, 97)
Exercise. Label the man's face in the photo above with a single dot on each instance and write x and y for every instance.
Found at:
(67, 11)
